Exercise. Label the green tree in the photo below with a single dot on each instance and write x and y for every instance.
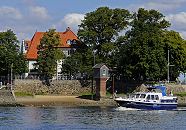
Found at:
(49, 54)
(100, 29)
(71, 64)
(79, 62)
(177, 52)
(142, 55)
(10, 57)
(144, 49)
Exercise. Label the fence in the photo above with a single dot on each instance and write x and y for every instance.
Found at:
(59, 77)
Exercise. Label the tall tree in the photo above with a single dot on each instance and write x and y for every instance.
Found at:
(79, 62)
(49, 54)
(177, 53)
(100, 28)
(142, 56)
(10, 57)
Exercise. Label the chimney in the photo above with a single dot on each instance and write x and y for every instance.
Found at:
(67, 29)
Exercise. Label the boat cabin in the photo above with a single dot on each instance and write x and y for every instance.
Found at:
(152, 97)
(151, 100)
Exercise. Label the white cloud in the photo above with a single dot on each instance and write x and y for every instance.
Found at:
(9, 13)
(178, 19)
(162, 5)
(73, 19)
(39, 12)
(26, 32)
(183, 34)
(178, 22)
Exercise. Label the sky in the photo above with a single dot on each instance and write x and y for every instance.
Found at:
(25, 17)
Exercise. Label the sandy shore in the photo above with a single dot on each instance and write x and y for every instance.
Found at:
(62, 101)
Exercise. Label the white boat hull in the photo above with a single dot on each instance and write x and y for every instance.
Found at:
(146, 105)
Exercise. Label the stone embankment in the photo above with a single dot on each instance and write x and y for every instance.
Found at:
(61, 92)
(177, 88)
(60, 87)
(7, 97)
(77, 88)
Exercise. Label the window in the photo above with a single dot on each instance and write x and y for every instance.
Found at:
(104, 72)
(132, 96)
(152, 97)
(142, 96)
(148, 97)
(156, 97)
(68, 41)
(137, 95)
(175, 99)
(68, 52)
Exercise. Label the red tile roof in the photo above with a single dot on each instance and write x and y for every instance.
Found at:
(32, 45)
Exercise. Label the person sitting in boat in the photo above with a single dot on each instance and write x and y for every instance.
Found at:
(171, 94)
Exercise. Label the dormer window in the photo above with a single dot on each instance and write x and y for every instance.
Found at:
(69, 42)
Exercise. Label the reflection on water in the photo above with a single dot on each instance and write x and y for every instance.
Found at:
(53, 118)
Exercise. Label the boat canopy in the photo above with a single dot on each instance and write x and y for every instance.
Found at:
(161, 87)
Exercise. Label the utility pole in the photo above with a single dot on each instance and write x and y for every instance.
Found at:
(113, 95)
(113, 82)
(11, 76)
(168, 78)
(168, 65)
(92, 89)
(56, 70)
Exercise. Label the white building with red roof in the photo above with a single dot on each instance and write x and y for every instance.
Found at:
(68, 40)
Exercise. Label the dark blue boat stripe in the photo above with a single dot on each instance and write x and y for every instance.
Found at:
(148, 105)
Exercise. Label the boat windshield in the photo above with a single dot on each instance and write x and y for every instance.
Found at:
(131, 96)
(137, 95)
(156, 97)
(152, 97)
(142, 95)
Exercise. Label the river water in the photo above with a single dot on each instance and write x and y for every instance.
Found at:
(91, 118)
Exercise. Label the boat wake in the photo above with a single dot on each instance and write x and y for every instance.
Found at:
(125, 109)
(180, 109)
(134, 109)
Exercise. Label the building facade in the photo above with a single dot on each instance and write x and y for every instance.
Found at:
(68, 45)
